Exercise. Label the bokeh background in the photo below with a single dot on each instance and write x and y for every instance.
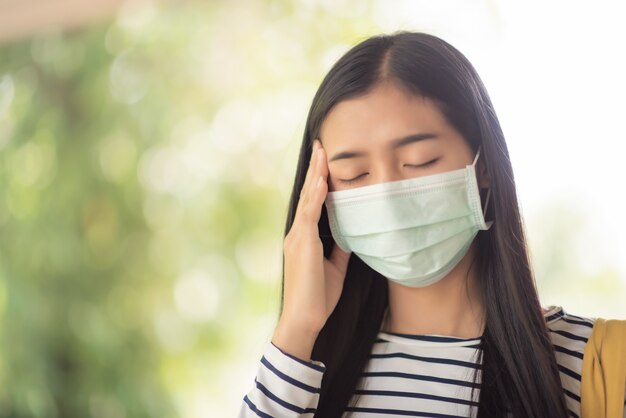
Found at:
(147, 150)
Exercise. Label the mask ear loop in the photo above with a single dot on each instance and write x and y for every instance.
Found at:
(489, 189)
(487, 202)
(477, 154)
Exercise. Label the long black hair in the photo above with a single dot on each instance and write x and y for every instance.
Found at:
(519, 372)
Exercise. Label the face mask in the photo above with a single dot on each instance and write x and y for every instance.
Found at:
(412, 231)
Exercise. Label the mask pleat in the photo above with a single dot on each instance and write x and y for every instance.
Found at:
(383, 215)
(403, 242)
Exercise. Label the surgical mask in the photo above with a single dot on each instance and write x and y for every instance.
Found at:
(412, 231)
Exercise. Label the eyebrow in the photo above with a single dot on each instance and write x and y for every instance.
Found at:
(396, 143)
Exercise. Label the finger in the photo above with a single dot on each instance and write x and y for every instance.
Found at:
(311, 167)
(310, 180)
(318, 193)
(316, 199)
(319, 186)
(322, 162)
(312, 201)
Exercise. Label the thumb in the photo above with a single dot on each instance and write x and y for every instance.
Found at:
(339, 258)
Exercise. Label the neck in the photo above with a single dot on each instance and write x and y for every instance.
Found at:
(450, 307)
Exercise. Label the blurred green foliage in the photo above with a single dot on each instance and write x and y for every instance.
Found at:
(142, 203)
(78, 286)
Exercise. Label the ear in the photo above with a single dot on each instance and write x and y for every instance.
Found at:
(481, 175)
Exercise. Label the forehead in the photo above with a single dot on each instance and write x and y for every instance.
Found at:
(383, 114)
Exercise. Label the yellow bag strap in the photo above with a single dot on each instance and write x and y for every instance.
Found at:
(603, 379)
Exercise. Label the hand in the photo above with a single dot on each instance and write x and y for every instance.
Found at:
(312, 283)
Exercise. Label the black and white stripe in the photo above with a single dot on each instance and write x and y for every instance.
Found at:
(409, 375)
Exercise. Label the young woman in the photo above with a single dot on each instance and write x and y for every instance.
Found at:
(407, 287)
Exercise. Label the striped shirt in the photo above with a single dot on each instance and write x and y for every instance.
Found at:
(408, 375)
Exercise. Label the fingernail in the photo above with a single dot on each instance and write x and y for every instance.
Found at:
(319, 182)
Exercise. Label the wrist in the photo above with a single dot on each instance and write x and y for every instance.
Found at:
(295, 340)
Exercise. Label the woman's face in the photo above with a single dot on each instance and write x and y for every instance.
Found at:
(389, 135)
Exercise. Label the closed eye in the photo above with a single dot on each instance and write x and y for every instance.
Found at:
(354, 179)
(422, 165)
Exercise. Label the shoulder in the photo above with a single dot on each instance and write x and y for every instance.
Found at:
(568, 331)
(569, 334)
(557, 315)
